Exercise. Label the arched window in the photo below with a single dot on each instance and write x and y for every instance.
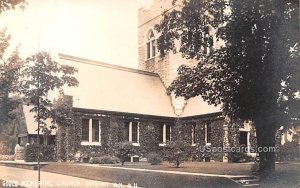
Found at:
(151, 48)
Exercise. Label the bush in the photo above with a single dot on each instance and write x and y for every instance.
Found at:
(239, 157)
(255, 167)
(7, 157)
(154, 159)
(125, 150)
(47, 153)
(177, 152)
(104, 160)
(4, 150)
(290, 151)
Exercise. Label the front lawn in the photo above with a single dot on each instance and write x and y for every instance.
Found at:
(197, 167)
(143, 179)
(287, 174)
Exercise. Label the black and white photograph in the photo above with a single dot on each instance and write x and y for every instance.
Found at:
(149, 93)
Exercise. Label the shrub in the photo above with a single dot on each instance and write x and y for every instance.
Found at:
(47, 153)
(290, 151)
(4, 150)
(154, 159)
(177, 152)
(239, 157)
(7, 157)
(255, 167)
(104, 160)
(125, 150)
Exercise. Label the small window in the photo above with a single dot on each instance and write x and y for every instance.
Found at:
(161, 134)
(243, 138)
(95, 130)
(132, 132)
(135, 132)
(90, 132)
(168, 133)
(164, 133)
(151, 45)
(193, 134)
(22, 141)
(208, 133)
(85, 130)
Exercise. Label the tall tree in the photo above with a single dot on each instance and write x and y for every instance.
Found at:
(9, 79)
(41, 74)
(255, 75)
(9, 73)
(11, 4)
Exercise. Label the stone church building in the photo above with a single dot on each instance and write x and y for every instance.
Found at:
(113, 104)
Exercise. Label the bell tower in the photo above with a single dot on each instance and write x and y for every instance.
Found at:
(149, 58)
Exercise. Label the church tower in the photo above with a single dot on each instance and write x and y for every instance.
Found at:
(149, 59)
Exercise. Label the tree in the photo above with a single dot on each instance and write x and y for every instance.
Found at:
(255, 75)
(9, 77)
(41, 74)
(10, 65)
(11, 4)
(9, 73)
(177, 151)
(124, 151)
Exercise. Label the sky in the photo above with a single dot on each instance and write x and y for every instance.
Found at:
(101, 30)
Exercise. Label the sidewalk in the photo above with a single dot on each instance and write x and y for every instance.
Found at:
(28, 178)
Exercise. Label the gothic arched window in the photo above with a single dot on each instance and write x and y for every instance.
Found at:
(151, 48)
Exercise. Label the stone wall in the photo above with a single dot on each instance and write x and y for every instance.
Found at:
(113, 131)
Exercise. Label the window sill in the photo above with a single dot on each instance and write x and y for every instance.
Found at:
(208, 144)
(91, 143)
(152, 57)
(162, 144)
(136, 144)
(193, 145)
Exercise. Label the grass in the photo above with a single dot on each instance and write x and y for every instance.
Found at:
(197, 167)
(143, 179)
(286, 175)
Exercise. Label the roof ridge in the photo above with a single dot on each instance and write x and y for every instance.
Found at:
(107, 65)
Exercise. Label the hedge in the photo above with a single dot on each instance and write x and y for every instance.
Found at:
(7, 157)
(47, 153)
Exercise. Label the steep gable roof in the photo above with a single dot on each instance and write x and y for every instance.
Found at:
(197, 106)
(28, 125)
(114, 88)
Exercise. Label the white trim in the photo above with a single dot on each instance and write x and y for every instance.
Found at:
(164, 133)
(136, 144)
(90, 130)
(130, 131)
(84, 143)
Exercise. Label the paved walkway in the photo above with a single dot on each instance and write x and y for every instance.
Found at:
(28, 178)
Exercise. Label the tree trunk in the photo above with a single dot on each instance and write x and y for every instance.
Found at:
(266, 147)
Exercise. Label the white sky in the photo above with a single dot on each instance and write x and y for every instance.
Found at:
(102, 30)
